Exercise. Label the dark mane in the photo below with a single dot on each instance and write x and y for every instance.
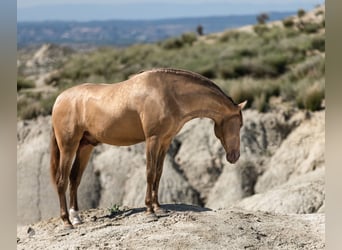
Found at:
(202, 80)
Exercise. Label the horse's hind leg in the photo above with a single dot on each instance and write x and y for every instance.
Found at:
(155, 187)
(155, 154)
(66, 157)
(82, 156)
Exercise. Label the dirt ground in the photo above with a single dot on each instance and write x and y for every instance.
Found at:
(183, 227)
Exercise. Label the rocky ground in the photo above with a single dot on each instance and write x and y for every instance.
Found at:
(185, 227)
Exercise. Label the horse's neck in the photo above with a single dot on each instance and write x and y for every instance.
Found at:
(210, 105)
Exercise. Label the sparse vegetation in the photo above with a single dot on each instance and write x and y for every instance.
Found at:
(114, 209)
(288, 23)
(273, 61)
(23, 83)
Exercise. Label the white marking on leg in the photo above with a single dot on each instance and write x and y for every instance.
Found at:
(74, 217)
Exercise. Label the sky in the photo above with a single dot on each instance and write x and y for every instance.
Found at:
(86, 10)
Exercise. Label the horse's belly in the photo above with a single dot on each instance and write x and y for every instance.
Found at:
(121, 131)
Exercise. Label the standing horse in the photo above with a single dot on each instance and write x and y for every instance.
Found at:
(151, 106)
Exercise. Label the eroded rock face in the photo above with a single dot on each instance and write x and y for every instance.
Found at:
(302, 194)
(302, 152)
(275, 148)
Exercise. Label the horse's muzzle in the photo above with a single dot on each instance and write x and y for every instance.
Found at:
(233, 156)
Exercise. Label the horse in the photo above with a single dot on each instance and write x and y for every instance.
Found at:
(150, 106)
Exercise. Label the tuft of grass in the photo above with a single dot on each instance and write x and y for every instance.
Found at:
(114, 209)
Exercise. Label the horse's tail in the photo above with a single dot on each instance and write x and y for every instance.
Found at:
(54, 158)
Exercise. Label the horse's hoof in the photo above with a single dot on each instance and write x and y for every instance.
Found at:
(161, 212)
(76, 222)
(68, 226)
(74, 217)
(150, 217)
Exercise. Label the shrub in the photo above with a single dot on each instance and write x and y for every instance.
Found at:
(172, 43)
(179, 42)
(189, 38)
(318, 43)
(311, 27)
(300, 13)
(230, 35)
(311, 97)
(277, 62)
(288, 23)
(260, 29)
(23, 83)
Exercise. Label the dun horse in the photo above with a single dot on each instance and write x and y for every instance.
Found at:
(151, 106)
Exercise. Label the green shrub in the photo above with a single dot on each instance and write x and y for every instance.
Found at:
(300, 13)
(260, 29)
(277, 62)
(172, 43)
(312, 67)
(311, 27)
(288, 23)
(318, 43)
(230, 36)
(23, 83)
(311, 97)
(189, 38)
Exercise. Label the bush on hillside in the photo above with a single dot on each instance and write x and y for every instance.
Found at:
(288, 23)
(23, 83)
(311, 96)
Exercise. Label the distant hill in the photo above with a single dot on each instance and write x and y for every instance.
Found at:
(124, 32)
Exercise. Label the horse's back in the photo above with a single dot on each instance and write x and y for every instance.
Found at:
(105, 111)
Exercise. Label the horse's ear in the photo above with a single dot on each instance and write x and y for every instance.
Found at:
(242, 104)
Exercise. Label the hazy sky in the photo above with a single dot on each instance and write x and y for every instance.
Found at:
(38, 10)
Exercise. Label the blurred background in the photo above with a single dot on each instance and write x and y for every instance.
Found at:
(271, 53)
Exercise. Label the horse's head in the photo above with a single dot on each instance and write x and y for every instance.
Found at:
(228, 131)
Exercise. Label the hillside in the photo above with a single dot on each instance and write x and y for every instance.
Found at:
(124, 33)
(286, 61)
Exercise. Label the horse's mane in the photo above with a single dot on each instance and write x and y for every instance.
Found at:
(200, 79)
